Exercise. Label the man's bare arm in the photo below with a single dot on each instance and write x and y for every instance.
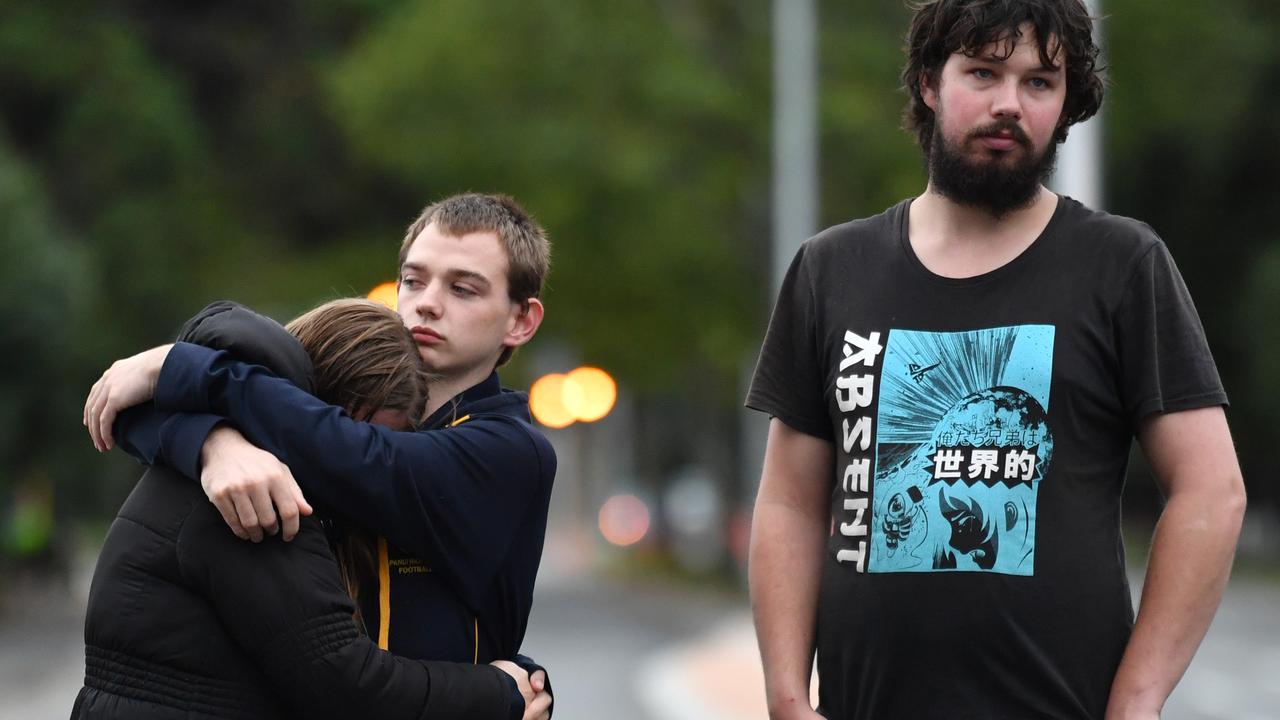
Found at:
(788, 537)
(1194, 462)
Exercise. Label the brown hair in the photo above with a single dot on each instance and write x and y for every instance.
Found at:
(528, 250)
(365, 359)
(943, 27)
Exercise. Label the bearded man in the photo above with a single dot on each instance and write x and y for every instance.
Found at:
(954, 386)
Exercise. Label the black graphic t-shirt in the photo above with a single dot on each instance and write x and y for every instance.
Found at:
(981, 429)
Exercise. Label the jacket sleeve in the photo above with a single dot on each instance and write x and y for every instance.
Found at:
(531, 666)
(284, 605)
(175, 440)
(453, 497)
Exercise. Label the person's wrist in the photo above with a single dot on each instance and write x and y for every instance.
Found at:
(1132, 708)
(219, 437)
(790, 702)
(159, 355)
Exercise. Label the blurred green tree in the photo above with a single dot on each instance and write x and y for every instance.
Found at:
(156, 155)
(45, 289)
(1192, 121)
(621, 128)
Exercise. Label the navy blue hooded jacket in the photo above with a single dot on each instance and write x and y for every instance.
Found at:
(462, 504)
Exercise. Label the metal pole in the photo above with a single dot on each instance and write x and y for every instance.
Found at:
(795, 176)
(795, 156)
(1079, 172)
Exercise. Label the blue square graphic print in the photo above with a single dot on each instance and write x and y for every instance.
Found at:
(963, 443)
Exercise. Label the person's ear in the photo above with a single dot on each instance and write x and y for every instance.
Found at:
(524, 323)
(929, 91)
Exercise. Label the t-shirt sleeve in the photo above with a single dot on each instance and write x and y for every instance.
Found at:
(1165, 362)
(788, 379)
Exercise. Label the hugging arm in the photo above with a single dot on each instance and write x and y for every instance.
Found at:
(181, 441)
(171, 440)
(419, 489)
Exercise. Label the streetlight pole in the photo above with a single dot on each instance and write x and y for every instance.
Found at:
(1079, 172)
(795, 178)
(795, 130)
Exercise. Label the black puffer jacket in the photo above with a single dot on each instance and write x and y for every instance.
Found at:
(187, 621)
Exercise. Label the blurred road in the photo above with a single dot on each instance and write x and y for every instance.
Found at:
(600, 640)
(643, 651)
(41, 648)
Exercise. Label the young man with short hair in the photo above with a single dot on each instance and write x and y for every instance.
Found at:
(461, 505)
(954, 386)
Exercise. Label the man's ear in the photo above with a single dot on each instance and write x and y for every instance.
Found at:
(524, 323)
(929, 91)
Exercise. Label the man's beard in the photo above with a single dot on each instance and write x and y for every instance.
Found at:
(990, 185)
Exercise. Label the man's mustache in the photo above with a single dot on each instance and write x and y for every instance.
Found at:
(1007, 128)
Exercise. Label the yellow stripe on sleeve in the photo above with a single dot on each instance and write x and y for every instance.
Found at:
(384, 595)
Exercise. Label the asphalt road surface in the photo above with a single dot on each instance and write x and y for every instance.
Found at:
(642, 651)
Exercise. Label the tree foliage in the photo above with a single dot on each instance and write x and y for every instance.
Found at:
(155, 155)
(617, 126)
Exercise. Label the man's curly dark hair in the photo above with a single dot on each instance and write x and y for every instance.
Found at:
(943, 27)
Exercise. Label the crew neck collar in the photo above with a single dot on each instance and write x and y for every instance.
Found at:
(903, 230)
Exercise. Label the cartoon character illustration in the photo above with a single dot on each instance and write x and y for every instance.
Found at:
(988, 453)
(959, 463)
(905, 518)
(971, 533)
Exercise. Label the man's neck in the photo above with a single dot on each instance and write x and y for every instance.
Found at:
(958, 241)
(447, 388)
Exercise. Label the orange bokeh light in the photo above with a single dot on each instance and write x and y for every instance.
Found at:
(546, 401)
(387, 293)
(624, 520)
(589, 393)
(585, 394)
